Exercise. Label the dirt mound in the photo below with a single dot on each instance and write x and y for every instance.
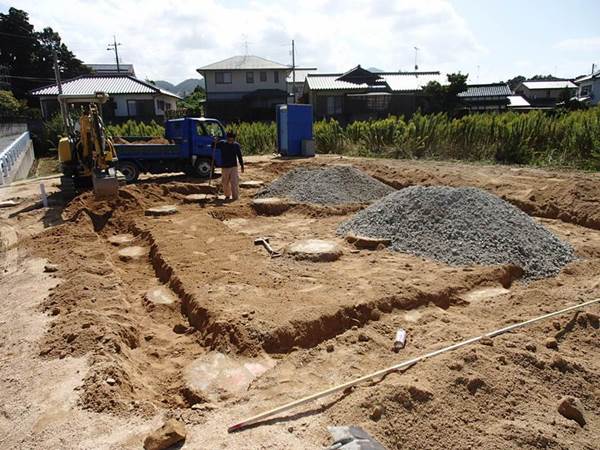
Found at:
(462, 226)
(326, 185)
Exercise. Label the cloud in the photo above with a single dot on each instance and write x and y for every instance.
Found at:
(586, 45)
(170, 39)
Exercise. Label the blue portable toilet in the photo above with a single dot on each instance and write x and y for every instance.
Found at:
(294, 125)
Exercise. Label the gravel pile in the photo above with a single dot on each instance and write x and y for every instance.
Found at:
(462, 226)
(335, 185)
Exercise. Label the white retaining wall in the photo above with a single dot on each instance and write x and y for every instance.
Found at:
(16, 159)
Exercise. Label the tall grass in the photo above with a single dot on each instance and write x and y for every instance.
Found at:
(537, 138)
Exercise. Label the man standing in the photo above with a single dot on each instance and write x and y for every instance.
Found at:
(231, 153)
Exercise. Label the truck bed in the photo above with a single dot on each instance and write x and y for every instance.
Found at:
(148, 151)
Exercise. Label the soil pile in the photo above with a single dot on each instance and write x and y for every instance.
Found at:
(462, 226)
(327, 185)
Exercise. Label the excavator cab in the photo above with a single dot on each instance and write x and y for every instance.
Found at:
(87, 155)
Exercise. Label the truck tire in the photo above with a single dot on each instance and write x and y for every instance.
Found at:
(203, 168)
(130, 171)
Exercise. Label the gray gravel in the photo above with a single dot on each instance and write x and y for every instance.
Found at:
(462, 226)
(327, 185)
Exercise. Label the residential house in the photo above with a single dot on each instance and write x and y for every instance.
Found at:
(546, 94)
(244, 88)
(360, 94)
(129, 97)
(588, 88)
(486, 97)
(295, 82)
(112, 69)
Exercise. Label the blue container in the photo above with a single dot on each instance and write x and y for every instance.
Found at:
(294, 125)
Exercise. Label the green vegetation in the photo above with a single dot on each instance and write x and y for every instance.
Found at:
(567, 138)
(133, 128)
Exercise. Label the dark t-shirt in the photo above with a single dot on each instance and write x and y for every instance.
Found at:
(229, 154)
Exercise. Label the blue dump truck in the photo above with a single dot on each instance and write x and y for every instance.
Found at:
(190, 150)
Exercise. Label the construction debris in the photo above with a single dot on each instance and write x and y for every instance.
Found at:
(314, 250)
(462, 226)
(571, 408)
(352, 438)
(334, 185)
(169, 434)
(164, 210)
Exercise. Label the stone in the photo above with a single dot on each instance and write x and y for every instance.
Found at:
(197, 198)
(363, 337)
(593, 319)
(316, 250)
(50, 268)
(368, 243)
(119, 239)
(530, 346)
(375, 315)
(167, 435)
(560, 363)
(180, 328)
(272, 206)
(571, 408)
(131, 253)
(163, 210)
(376, 413)
(474, 384)
(251, 184)
(486, 341)
(111, 381)
(551, 343)
(8, 204)
(55, 312)
(330, 348)
(160, 295)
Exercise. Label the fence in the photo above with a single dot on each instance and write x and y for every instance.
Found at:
(16, 159)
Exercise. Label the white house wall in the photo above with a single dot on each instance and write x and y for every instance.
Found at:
(121, 103)
(238, 86)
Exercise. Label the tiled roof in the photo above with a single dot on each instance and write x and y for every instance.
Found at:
(395, 81)
(111, 84)
(486, 90)
(300, 75)
(532, 85)
(247, 62)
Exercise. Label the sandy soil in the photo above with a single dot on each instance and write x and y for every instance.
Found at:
(99, 352)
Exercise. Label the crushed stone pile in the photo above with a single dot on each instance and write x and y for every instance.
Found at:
(327, 185)
(462, 226)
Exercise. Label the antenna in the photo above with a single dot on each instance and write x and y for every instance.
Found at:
(114, 46)
(246, 46)
(416, 56)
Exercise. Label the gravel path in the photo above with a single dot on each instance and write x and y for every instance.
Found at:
(327, 185)
(462, 226)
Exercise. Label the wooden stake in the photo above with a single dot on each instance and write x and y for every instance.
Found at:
(402, 365)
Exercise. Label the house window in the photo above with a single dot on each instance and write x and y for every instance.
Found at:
(223, 77)
(140, 108)
(276, 77)
(334, 105)
(160, 104)
(263, 76)
(249, 77)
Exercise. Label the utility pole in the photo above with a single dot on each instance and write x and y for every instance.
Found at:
(114, 46)
(61, 104)
(293, 72)
(416, 53)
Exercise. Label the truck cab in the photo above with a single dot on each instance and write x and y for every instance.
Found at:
(196, 134)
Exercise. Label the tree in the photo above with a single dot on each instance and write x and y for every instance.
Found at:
(444, 98)
(193, 103)
(27, 54)
(9, 106)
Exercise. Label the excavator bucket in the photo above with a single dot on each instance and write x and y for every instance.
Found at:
(105, 186)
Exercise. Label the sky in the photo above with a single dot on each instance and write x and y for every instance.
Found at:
(488, 39)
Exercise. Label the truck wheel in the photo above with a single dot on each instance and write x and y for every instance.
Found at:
(203, 168)
(130, 171)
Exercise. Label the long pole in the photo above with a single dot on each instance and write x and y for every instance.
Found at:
(293, 72)
(61, 104)
(402, 365)
(116, 53)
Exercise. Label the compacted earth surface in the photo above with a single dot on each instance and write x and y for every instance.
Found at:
(117, 315)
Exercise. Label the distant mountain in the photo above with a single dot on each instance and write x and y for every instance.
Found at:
(184, 88)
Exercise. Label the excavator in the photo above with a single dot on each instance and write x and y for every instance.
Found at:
(87, 155)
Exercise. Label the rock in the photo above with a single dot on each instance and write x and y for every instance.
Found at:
(272, 206)
(582, 320)
(560, 363)
(8, 204)
(593, 319)
(204, 406)
(50, 268)
(376, 413)
(474, 384)
(530, 346)
(130, 253)
(551, 343)
(180, 328)
(363, 337)
(169, 434)
(111, 381)
(368, 243)
(486, 341)
(455, 365)
(251, 184)
(164, 210)
(420, 393)
(329, 348)
(556, 324)
(571, 408)
(197, 198)
(55, 312)
(375, 315)
(160, 295)
(317, 250)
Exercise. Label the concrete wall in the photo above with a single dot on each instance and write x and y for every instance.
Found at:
(239, 87)
(16, 159)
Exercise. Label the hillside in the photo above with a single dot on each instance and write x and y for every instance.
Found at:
(183, 88)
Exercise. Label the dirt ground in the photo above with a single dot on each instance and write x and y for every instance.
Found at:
(142, 318)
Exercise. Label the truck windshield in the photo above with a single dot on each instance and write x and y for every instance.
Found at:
(211, 129)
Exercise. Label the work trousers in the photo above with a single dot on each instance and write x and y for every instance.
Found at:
(230, 180)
